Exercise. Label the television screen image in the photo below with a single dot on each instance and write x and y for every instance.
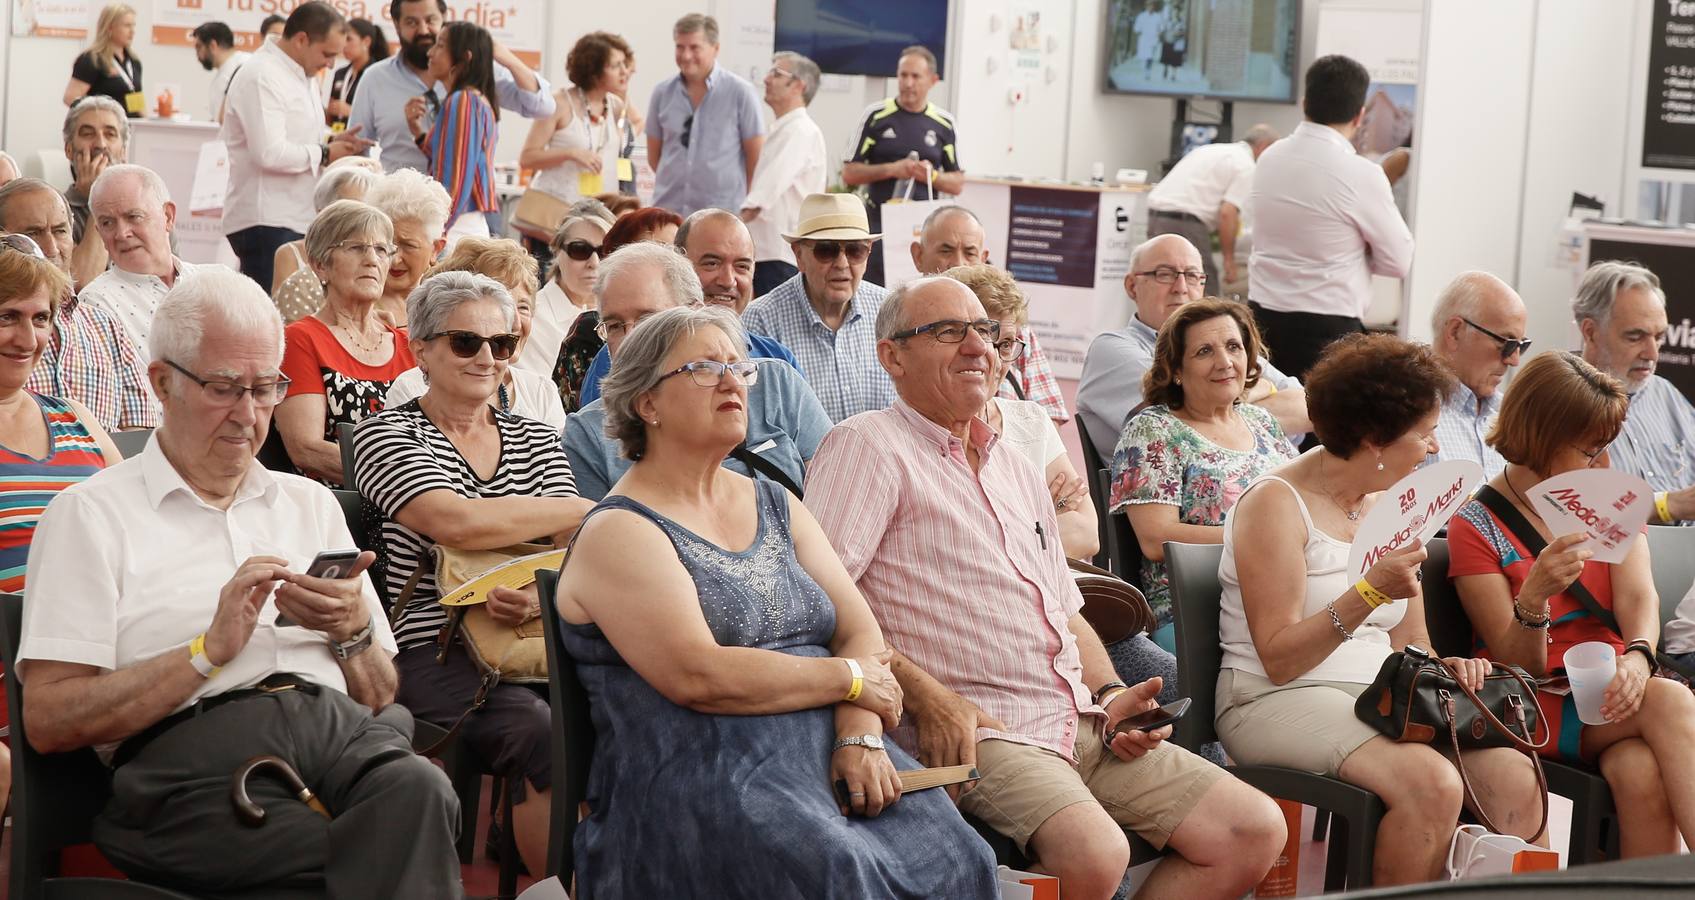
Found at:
(862, 37)
(1220, 49)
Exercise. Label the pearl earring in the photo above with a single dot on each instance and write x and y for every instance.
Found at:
(653, 422)
(1379, 462)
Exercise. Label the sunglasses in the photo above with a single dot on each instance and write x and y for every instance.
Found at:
(827, 251)
(466, 344)
(1509, 346)
(688, 129)
(22, 243)
(580, 249)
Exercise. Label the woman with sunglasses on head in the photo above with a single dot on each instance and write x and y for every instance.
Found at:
(342, 358)
(1531, 597)
(569, 292)
(450, 467)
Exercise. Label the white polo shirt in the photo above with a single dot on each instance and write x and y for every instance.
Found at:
(792, 165)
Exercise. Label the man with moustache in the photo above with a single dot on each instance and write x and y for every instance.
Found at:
(1478, 331)
(214, 47)
(379, 107)
(89, 357)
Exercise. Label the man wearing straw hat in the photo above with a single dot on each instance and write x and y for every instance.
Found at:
(827, 314)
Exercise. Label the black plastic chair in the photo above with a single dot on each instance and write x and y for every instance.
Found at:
(1126, 556)
(573, 736)
(131, 443)
(1195, 593)
(1092, 470)
(361, 519)
(1594, 818)
(55, 797)
(344, 441)
(1671, 549)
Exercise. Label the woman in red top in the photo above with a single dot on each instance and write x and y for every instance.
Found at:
(341, 359)
(1559, 415)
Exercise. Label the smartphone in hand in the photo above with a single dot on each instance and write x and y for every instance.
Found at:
(1149, 720)
(327, 564)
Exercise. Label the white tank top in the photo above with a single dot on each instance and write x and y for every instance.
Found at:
(1355, 661)
(605, 140)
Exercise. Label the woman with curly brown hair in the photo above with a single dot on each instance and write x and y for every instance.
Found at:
(1302, 639)
(575, 151)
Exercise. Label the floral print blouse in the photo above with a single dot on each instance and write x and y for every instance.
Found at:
(1161, 459)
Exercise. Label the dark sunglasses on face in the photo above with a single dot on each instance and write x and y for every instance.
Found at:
(580, 250)
(827, 251)
(466, 344)
(1509, 346)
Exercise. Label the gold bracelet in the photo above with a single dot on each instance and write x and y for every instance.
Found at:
(1662, 508)
(1372, 596)
(858, 684)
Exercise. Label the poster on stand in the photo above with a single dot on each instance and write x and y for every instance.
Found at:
(519, 24)
(53, 18)
(1668, 128)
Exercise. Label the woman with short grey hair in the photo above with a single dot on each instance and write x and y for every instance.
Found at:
(418, 206)
(451, 467)
(717, 631)
(294, 286)
(343, 357)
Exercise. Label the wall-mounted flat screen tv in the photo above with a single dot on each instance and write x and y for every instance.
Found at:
(862, 37)
(1218, 49)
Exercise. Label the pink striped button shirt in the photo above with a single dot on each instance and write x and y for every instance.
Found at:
(954, 566)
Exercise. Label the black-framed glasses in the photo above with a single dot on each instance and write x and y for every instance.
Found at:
(580, 250)
(22, 243)
(1169, 274)
(228, 393)
(952, 331)
(709, 373)
(1592, 456)
(466, 344)
(827, 251)
(688, 129)
(1009, 348)
(1509, 346)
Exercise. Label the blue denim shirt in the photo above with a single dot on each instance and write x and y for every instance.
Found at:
(710, 171)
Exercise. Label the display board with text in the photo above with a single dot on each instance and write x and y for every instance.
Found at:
(1668, 128)
(519, 24)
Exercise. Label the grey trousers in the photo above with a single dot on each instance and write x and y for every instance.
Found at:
(170, 820)
(1162, 223)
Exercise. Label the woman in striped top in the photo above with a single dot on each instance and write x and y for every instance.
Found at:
(451, 467)
(460, 144)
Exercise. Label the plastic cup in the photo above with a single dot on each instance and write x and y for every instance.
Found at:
(1590, 666)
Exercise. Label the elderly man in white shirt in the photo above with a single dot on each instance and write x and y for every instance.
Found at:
(131, 209)
(1478, 330)
(274, 129)
(793, 164)
(1206, 192)
(1325, 221)
(171, 627)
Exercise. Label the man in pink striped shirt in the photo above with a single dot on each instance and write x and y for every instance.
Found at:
(956, 547)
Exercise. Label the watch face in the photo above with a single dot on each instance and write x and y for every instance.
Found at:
(874, 742)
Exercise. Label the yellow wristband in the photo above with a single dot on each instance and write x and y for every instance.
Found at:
(197, 657)
(858, 685)
(1273, 389)
(1662, 508)
(1372, 596)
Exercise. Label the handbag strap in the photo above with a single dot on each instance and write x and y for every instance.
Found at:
(1447, 705)
(755, 463)
(1532, 540)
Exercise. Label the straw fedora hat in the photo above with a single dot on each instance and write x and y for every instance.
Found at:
(832, 217)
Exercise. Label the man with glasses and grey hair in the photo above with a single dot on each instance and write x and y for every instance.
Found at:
(784, 420)
(793, 164)
(1165, 273)
(1478, 330)
(1620, 311)
(173, 628)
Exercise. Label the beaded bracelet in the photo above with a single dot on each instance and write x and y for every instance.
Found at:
(1527, 622)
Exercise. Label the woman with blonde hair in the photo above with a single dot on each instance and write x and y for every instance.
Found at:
(107, 67)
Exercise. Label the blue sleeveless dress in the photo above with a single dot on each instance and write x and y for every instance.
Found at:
(687, 804)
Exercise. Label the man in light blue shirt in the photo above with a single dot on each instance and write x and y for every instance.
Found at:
(705, 126)
(1478, 330)
(379, 105)
(785, 423)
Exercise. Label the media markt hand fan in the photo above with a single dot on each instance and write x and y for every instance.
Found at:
(1415, 508)
(1608, 505)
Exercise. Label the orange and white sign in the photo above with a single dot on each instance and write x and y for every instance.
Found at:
(1414, 509)
(1609, 505)
(519, 24)
(53, 18)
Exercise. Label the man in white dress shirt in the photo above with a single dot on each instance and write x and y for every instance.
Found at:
(793, 164)
(132, 210)
(274, 129)
(1478, 330)
(1206, 192)
(1325, 221)
(214, 47)
(156, 635)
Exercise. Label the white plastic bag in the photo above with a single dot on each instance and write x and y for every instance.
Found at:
(1477, 852)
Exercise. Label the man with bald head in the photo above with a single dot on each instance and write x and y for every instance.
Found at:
(89, 356)
(132, 210)
(1478, 330)
(1165, 273)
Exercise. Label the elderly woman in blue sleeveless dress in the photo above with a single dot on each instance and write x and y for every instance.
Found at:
(734, 670)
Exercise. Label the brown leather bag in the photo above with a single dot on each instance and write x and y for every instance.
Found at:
(1111, 605)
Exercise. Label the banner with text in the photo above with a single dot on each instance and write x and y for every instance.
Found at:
(53, 18)
(519, 24)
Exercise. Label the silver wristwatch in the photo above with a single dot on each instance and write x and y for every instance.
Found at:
(868, 741)
(353, 646)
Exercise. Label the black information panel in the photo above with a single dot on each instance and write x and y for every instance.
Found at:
(1676, 268)
(1052, 236)
(1668, 129)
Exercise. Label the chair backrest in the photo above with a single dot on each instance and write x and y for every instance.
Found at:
(361, 523)
(55, 796)
(132, 442)
(1099, 484)
(1671, 549)
(573, 735)
(344, 440)
(1444, 615)
(1091, 458)
(1126, 552)
(1195, 594)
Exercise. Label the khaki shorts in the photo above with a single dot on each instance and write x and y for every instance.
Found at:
(1306, 725)
(1022, 786)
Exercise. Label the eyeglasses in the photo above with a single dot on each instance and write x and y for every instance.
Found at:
(688, 129)
(1009, 349)
(789, 75)
(22, 243)
(383, 251)
(609, 330)
(1169, 274)
(710, 373)
(580, 250)
(266, 394)
(466, 344)
(1509, 346)
(827, 251)
(952, 331)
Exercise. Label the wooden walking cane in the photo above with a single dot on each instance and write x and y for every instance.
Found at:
(251, 813)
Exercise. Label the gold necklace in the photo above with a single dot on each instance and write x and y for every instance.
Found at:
(353, 338)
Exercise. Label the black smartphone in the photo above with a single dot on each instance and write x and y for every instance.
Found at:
(1158, 717)
(327, 564)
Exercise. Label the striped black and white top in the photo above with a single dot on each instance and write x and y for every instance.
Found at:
(400, 454)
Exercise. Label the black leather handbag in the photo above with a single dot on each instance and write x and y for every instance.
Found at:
(1416, 698)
